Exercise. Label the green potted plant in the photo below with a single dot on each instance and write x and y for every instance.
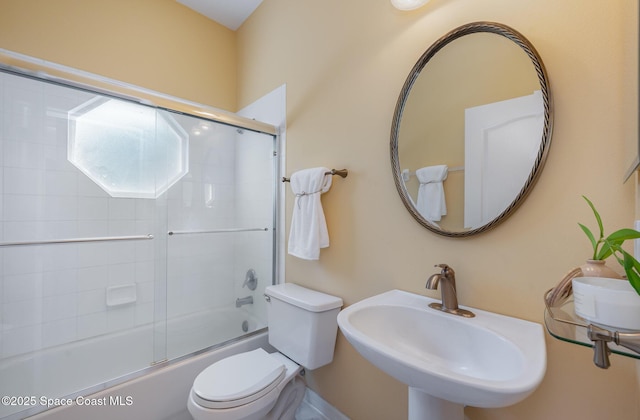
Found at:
(604, 247)
(611, 302)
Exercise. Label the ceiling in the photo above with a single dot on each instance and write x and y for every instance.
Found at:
(230, 13)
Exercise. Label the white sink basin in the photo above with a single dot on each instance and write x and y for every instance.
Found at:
(490, 360)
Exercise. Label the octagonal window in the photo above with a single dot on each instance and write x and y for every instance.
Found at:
(129, 150)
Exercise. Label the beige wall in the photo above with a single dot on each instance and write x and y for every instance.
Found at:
(344, 63)
(155, 44)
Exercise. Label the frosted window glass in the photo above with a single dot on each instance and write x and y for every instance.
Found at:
(129, 150)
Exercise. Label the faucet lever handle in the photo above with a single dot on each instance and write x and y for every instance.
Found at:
(446, 269)
(250, 279)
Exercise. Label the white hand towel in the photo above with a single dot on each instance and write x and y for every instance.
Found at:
(308, 225)
(431, 202)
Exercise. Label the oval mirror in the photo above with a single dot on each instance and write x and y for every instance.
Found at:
(471, 129)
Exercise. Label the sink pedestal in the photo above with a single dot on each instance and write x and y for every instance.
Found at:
(424, 406)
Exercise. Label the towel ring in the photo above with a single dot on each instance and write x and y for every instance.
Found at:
(340, 172)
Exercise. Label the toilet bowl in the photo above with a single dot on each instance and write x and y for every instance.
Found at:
(251, 385)
(257, 385)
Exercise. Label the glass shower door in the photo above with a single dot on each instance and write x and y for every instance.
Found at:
(221, 226)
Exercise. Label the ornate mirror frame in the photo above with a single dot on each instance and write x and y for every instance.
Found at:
(528, 48)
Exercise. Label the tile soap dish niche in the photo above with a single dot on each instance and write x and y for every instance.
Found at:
(121, 295)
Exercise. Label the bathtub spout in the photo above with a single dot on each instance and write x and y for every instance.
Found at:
(244, 301)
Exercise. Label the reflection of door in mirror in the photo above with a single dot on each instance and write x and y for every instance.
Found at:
(502, 140)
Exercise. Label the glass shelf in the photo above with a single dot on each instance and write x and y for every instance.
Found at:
(563, 324)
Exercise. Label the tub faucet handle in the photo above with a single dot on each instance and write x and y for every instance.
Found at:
(250, 279)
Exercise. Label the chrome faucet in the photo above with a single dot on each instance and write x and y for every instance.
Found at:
(244, 301)
(446, 278)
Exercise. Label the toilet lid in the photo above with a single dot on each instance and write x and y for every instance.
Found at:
(238, 379)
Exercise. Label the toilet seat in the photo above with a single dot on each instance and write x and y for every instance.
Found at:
(238, 380)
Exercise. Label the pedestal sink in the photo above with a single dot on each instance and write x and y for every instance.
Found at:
(447, 361)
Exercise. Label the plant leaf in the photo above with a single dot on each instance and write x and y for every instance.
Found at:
(632, 269)
(614, 242)
(634, 279)
(622, 235)
(597, 215)
(594, 243)
(607, 249)
(630, 261)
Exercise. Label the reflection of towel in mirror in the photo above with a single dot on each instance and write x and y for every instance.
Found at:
(431, 203)
(308, 225)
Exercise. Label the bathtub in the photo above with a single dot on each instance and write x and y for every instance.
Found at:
(125, 387)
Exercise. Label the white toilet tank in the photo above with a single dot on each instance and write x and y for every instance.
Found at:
(302, 323)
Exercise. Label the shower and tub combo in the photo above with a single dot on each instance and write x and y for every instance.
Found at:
(133, 238)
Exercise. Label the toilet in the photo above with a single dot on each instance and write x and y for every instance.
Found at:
(260, 385)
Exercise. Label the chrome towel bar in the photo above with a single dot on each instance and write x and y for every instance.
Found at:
(77, 240)
(193, 232)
